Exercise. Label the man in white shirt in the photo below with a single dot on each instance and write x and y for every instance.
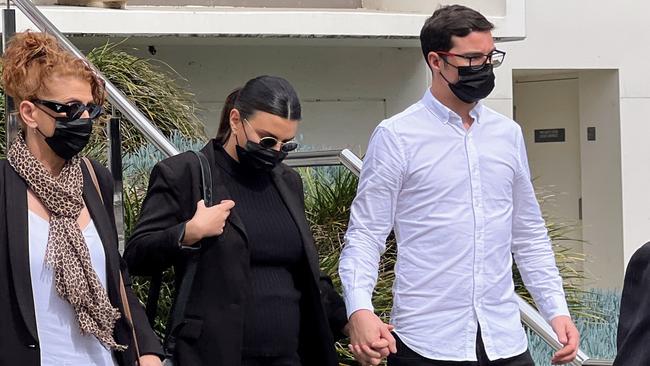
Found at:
(450, 176)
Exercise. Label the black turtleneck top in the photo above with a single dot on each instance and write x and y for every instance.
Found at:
(272, 318)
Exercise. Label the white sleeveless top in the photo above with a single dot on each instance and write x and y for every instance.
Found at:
(61, 341)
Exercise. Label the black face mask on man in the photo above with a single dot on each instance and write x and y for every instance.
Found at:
(473, 84)
(70, 136)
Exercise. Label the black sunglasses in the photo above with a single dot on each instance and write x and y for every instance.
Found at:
(73, 110)
(269, 142)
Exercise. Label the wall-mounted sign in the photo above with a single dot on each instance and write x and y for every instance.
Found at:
(591, 133)
(550, 135)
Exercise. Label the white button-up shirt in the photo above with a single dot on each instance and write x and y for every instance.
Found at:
(461, 204)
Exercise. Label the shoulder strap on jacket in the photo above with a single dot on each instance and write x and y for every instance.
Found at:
(178, 310)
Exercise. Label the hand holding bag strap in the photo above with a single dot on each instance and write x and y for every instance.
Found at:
(178, 310)
(125, 301)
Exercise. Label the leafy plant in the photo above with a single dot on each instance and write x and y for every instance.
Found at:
(154, 87)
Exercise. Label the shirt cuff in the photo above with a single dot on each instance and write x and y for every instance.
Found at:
(358, 300)
(552, 307)
(182, 246)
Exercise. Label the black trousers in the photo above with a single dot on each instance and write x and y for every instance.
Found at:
(293, 360)
(407, 357)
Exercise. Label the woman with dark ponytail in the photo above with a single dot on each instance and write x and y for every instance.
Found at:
(258, 296)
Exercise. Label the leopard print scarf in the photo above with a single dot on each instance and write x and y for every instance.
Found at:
(67, 253)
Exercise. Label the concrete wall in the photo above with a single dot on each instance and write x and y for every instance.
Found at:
(345, 91)
(330, 4)
(551, 102)
(601, 177)
(572, 35)
(491, 7)
(578, 168)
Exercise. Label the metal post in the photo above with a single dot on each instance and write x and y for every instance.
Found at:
(8, 30)
(115, 165)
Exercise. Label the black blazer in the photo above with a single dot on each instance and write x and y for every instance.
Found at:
(19, 343)
(634, 322)
(213, 326)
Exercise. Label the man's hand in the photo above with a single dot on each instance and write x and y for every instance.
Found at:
(370, 338)
(568, 335)
(149, 360)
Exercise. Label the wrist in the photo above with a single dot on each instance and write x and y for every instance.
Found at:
(360, 313)
(191, 235)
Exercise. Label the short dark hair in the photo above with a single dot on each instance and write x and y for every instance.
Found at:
(448, 21)
(270, 94)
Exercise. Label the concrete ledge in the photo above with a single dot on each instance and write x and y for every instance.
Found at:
(144, 21)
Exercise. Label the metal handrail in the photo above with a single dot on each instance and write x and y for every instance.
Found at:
(592, 362)
(529, 315)
(115, 96)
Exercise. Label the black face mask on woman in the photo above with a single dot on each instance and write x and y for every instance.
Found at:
(72, 132)
(473, 84)
(254, 156)
(70, 137)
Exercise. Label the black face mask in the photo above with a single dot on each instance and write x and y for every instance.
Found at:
(70, 137)
(473, 84)
(254, 156)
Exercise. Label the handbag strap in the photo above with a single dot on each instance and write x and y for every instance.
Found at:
(123, 297)
(178, 310)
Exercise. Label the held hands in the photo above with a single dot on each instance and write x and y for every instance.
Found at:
(207, 221)
(370, 338)
(568, 335)
(149, 360)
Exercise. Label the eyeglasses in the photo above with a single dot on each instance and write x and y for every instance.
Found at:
(73, 110)
(269, 142)
(478, 61)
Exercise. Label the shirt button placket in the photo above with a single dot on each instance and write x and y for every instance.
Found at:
(475, 180)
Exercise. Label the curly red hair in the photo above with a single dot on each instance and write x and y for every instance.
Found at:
(31, 58)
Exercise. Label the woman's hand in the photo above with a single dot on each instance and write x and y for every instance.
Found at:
(149, 360)
(207, 221)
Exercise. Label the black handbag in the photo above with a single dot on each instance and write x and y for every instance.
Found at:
(178, 309)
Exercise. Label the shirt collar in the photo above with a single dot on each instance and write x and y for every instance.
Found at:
(446, 115)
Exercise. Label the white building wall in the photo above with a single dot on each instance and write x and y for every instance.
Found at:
(599, 35)
(602, 204)
(345, 91)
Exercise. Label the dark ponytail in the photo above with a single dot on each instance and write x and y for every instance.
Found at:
(270, 94)
(224, 124)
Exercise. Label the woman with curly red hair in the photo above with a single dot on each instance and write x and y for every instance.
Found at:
(65, 296)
